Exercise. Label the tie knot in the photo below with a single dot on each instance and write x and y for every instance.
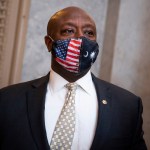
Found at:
(71, 86)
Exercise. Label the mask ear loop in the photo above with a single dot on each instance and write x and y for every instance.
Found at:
(51, 38)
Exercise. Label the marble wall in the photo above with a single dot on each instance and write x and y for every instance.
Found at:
(13, 25)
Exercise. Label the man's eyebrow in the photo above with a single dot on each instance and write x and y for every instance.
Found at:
(89, 25)
(69, 24)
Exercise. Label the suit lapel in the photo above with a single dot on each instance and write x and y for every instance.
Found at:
(36, 106)
(104, 113)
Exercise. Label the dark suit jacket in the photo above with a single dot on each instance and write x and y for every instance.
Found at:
(22, 127)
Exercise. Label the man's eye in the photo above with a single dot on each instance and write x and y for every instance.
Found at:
(89, 33)
(67, 31)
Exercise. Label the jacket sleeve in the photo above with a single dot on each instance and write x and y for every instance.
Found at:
(138, 141)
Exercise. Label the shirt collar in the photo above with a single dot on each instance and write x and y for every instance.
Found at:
(86, 82)
(57, 82)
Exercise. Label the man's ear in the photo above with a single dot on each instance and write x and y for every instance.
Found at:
(48, 43)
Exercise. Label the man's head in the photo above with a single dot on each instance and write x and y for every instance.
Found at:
(70, 22)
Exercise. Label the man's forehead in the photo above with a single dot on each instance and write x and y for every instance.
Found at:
(76, 23)
(69, 10)
(75, 18)
(68, 16)
(71, 13)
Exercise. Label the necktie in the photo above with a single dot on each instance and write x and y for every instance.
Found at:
(65, 127)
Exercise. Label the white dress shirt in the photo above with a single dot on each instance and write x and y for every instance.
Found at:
(86, 108)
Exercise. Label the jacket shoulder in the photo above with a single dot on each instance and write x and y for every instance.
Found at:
(115, 89)
(22, 87)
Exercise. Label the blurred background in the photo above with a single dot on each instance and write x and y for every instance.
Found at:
(123, 29)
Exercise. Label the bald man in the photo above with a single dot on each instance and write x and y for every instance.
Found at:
(105, 117)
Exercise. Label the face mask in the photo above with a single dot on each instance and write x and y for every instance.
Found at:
(76, 54)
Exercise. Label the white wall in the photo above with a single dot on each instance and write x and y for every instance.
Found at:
(131, 61)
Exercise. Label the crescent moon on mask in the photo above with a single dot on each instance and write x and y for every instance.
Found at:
(86, 55)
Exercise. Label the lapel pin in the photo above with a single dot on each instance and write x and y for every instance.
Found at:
(104, 102)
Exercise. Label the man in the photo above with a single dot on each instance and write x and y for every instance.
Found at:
(106, 117)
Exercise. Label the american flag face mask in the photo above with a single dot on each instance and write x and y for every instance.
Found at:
(75, 54)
